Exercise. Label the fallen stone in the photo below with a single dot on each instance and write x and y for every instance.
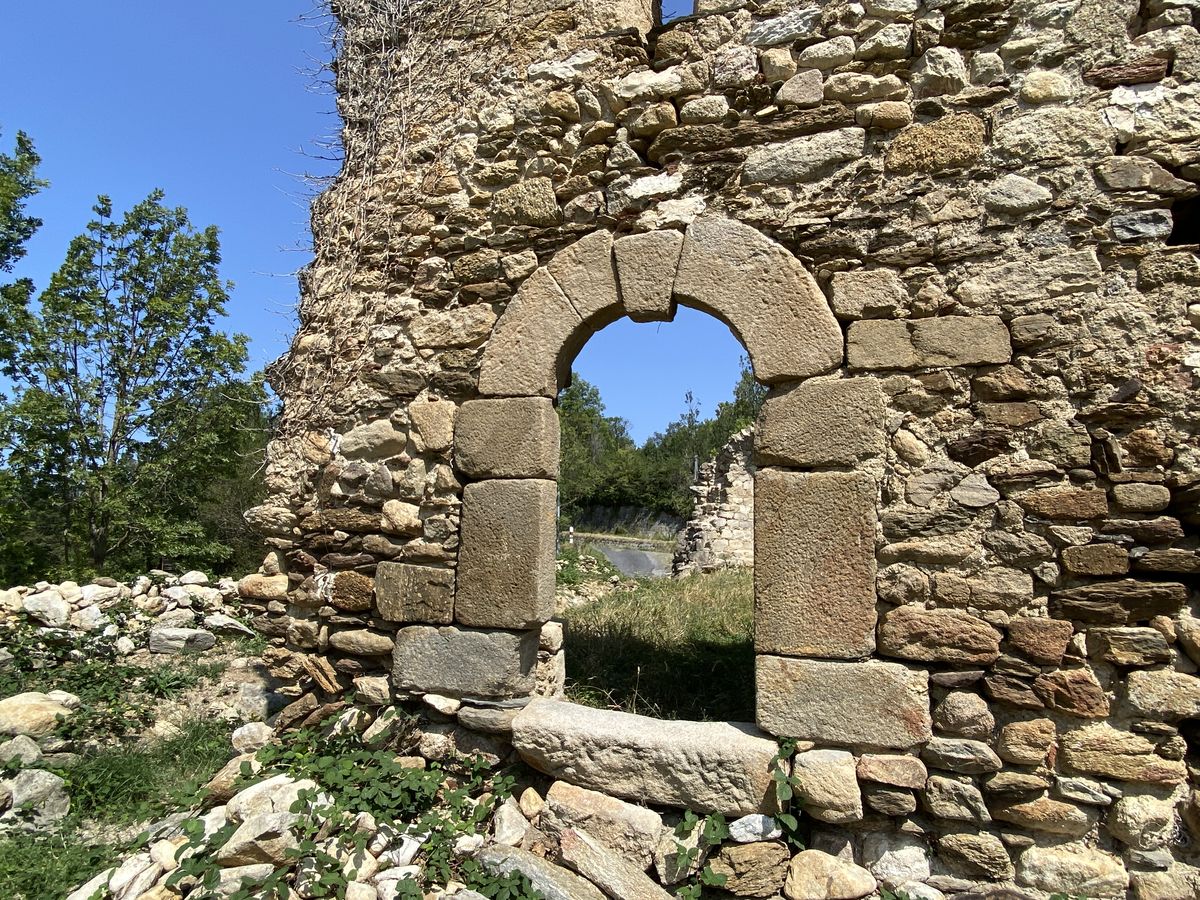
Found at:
(551, 881)
(37, 798)
(633, 831)
(605, 868)
(697, 765)
(33, 713)
(180, 640)
(265, 838)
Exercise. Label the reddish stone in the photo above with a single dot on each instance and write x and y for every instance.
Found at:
(1074, 692)
(1043, 641)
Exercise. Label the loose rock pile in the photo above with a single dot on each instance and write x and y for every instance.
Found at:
(161, 612)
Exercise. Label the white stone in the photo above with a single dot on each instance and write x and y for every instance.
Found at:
(754, 827)
(804, 158)
(828, 54)
(895, 858)
(1073, 869)
(827, 785)
(1015, 195)
(252, 736)
(717, 766)
(33, 713)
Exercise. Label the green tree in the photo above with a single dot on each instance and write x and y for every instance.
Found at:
(19, 550)
(127, 403)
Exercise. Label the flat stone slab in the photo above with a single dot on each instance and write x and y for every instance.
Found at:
(705, 766)
(871, 704)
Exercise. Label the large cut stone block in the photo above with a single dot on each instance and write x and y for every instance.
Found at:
(646, 264)
(408, 593)
(585, 272)
(705, 766)
(464, 663)
(821, 423)
(870, 704)
(511, 438)
(764, 294)
(928, 343)
(534, 342)
(814, 563)
(506, 562)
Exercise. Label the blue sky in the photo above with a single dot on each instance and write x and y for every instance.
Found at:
(216, 104)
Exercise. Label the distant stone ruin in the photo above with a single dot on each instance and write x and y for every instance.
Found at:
(720, 532)
(957, 239)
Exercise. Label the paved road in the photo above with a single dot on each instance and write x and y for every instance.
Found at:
(637, 563)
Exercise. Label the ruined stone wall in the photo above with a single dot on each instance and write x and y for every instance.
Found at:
(720, 532)
(976, 540)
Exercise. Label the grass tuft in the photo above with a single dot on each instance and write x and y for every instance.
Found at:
(673, 648)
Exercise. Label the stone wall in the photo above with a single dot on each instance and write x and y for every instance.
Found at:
(957, 239)
(720, 532)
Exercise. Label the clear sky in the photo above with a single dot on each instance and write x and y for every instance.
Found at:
(216, 103)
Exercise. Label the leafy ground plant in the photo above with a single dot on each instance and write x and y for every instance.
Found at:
(674, 648)
(437, 805)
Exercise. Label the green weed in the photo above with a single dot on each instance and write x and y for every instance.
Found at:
(671, 648)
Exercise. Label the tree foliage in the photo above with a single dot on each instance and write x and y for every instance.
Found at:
(603, 467)
(127, 406)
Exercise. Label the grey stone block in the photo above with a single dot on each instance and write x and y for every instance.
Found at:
(510, 438)
(464, 662)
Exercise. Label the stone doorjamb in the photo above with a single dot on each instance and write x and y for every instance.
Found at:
(814, 514)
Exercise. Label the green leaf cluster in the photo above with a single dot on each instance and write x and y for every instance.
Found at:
(129, 437)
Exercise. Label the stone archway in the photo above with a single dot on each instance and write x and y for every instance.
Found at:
(815, 517)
